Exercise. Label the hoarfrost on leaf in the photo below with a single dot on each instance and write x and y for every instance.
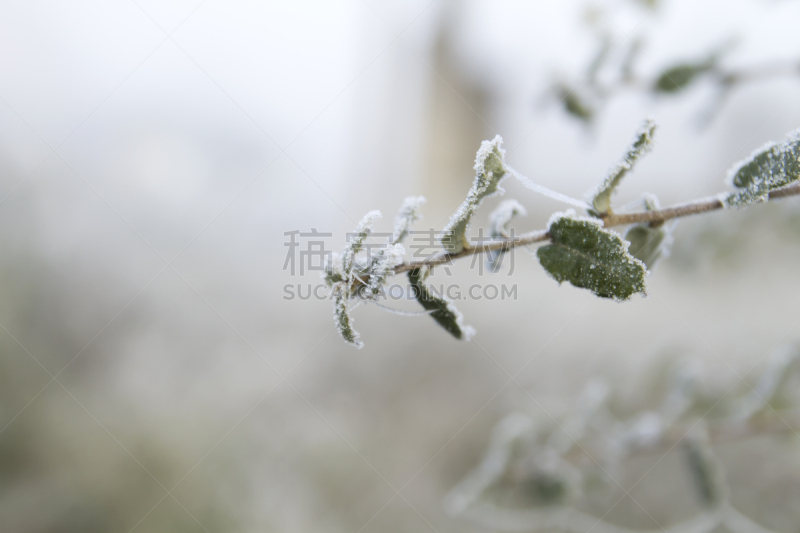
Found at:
(490, 169)
(342, 278)
(590, 257)
(498, 222)
(443, 311)
(343, 320)
(601, 197)
(771, 167)
(363, 230)
(408, 214)
(332, 270)
(382, 267)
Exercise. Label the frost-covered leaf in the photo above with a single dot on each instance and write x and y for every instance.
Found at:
(381, 268)
(601, 197)
(363, 229)
(501, 216)
(408, 214)
(771, 167)
(340, 275)
(648, 243)
(490, 169)
(498, 222)
(332, 270)
(344, 322)
(590, 257)
(676, 78)
(442, 311)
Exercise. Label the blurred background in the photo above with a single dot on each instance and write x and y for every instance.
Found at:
(153, 154)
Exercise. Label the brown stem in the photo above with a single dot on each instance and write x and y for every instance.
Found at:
(610, 220)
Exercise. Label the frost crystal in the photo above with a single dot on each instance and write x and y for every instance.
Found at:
(409, 213)
(591, 257)
(601, 197)
(490, 169)
(771, 167)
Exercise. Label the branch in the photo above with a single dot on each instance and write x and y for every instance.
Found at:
(720, 432)
(652, 217)
(727, 78)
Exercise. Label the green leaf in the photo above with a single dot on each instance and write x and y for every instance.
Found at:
(601, 198)
(676, 78)
(546, 488)
(771, 167)
(490, 169)
(649, 243)
(646, 243)
(577, 104)
(442, 311)
(590, 257)
(679, 76)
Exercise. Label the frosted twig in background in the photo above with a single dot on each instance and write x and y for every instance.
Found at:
(535, 475)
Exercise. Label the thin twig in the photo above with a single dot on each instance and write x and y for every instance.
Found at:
(727, 78)
(611, 220)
